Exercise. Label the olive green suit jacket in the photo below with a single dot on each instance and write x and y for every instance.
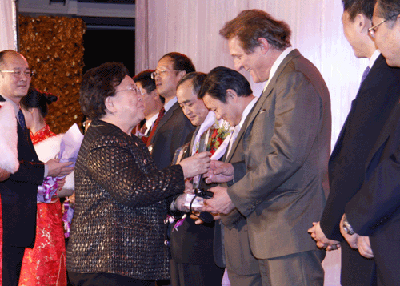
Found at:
(280, 158)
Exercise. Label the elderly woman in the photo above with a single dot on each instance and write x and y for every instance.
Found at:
(117, 235)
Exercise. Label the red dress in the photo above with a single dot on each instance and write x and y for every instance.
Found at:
(45, 263)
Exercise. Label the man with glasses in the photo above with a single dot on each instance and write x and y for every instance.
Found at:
(375, 210)
(378, 94)
(173, 128)
(19, 191)
(153, 104)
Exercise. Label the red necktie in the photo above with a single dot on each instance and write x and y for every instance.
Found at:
(160, 115)
(142, 133)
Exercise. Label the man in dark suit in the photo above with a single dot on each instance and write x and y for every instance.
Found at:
(192, 245)
(372, 216)
(377, 95)
(153, 104)
(19, 191)
(278, 160)
(173, 128)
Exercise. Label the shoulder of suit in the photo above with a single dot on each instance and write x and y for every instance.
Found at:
(381, 66)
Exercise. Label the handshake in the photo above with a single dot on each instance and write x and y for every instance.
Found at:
(206, 205)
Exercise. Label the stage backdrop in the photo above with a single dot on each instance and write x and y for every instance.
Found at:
(8, 30)
(191, 27)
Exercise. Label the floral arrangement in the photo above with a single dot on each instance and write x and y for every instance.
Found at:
(219, 133)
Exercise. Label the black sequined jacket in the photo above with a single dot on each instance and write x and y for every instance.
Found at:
(120, 206)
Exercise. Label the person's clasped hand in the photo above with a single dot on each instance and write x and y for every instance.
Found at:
(197, 164)
(219, 172)
(322, 241)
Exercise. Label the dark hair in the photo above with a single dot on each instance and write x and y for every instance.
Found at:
(97, 84)
(181, 62)
(250, 25)
(354, 7)
(388, 9)
(38, 99)
(144, 78)
(220, 79)
(147, 82)
(197, 79)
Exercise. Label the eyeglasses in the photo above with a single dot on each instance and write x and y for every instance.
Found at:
(160, 72)
(133, 88)
(18, 73)
(373, 29)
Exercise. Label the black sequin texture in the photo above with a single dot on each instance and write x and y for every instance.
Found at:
(120, 207)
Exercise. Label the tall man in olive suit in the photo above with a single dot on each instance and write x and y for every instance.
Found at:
(277, 162)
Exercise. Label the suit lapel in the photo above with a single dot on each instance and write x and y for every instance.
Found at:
(385, 132)
(165, 118)
(192, 140)
(260, 103)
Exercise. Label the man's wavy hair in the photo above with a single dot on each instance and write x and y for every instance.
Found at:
(250, 25)
(97, 84)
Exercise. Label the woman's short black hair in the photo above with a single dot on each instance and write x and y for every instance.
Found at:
(97, 84)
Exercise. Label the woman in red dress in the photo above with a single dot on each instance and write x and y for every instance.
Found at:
(45, 263)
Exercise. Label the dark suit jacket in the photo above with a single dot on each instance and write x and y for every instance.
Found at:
(194, 244)
(375, 210)
(282, 153)
(19, 195)
(369, 111)
(377, 96)
(171, 133)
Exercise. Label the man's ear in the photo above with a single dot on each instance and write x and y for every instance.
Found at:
(264, 45)
(181, 74)
(231, 95)
(362, 23)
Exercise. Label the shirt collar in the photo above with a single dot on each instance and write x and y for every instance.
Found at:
(277, 63)
(151, 121)
(246, 112)
(170, 103)
(16, 107)
(373, 58)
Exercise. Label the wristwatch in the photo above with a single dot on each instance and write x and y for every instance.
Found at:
(346, 226)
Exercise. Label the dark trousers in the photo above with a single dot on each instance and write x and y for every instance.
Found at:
(105, 279)
(356, 270)
(12, 263)
(184, 274)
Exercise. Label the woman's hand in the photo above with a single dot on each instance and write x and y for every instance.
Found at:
(196, 165)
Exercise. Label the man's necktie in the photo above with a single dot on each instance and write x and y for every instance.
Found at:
(21, 120)
(160, 115)
(142, 132)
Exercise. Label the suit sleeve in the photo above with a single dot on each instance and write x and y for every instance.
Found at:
(298, 113)
(379, 197)
(29, 172)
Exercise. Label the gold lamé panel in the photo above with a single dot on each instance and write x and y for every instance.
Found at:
(54, 49)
